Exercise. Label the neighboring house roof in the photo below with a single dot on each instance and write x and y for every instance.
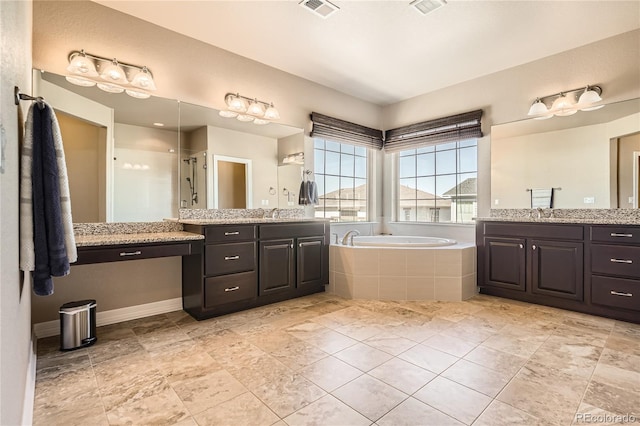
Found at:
(407, 197)
(467, 187)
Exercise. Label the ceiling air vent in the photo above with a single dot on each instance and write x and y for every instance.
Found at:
(427, 6)
(322, 8)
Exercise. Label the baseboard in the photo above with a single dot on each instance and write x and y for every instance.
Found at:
(52, 328)
(30, 384)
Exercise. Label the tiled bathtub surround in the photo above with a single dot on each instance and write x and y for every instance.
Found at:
(429, 273)
(239, 213)
(325, 360)
(595, 216)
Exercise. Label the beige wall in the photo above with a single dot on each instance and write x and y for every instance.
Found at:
(200, 74)
(15, 300)
(261, 150)
(84, 154)
(575, 160)
(628, 149)
(505, 96)
(113, 285)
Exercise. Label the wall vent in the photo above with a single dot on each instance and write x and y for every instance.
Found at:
(427, 6)
(322, 8)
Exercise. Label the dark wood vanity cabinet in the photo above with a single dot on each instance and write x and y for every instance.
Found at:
(244, 266)
(615, 267)
(587, 268)
(299, 262)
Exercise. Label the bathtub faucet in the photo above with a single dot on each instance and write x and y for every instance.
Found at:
(352, 233)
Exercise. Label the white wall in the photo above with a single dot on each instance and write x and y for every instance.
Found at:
(15, 300)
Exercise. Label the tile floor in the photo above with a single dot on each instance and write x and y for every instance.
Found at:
(323, 360)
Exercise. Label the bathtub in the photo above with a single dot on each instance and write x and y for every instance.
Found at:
(389, 267)
(401, 241)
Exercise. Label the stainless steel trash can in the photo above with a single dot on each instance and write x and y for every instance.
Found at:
(77, 324)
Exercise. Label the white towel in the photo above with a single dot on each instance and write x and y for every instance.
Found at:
(27, 252)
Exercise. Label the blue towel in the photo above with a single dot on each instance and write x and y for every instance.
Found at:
(48, 230)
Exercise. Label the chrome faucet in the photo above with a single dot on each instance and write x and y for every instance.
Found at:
(272, 213)
(352, 233)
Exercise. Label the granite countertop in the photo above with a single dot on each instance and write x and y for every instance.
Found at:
(140, 238)
(248, 220)
(559, 220)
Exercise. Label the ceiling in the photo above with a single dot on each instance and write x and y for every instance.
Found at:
(386, 51)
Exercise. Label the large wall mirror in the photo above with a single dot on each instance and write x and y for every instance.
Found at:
(133, 160)
(593, 156)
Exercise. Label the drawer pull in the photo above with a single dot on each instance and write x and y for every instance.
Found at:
(236, 257)
(130, 253)
(628, 261)
(618, 293)
(232, 289)
(615, 234)
(231, 233)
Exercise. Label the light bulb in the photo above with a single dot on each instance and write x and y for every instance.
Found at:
(143, 80)
(563, 106)
(114, 73)
(272, 113)
(255, 108)
(82, 65)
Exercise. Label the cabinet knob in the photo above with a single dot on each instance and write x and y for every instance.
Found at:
(291, 246)
(520, 245)
(533, 247)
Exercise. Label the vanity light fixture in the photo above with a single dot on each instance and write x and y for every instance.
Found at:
(109, 75)
(567, 103)
(296, 158)
(247, 109)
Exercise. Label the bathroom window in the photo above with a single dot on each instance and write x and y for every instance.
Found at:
(341, 176)
(438, 183)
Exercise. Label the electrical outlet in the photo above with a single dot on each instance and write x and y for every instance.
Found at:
(589, 200)
(496, 202)
(265, 202)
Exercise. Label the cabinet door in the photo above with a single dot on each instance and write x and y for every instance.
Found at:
(505, 263)
(276, 266)
(310, 261)
(557, 268)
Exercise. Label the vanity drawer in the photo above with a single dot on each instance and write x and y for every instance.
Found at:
(615, 260)
(535, 230)
(615, 292)
(230, 288)
(615, 234)
(96, 254)
(223, 259)
(229, 233)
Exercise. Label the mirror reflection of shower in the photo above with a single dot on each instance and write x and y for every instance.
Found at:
(192, 180)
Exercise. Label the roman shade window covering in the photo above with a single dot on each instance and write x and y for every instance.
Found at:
(345, 132)
(447, 129)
